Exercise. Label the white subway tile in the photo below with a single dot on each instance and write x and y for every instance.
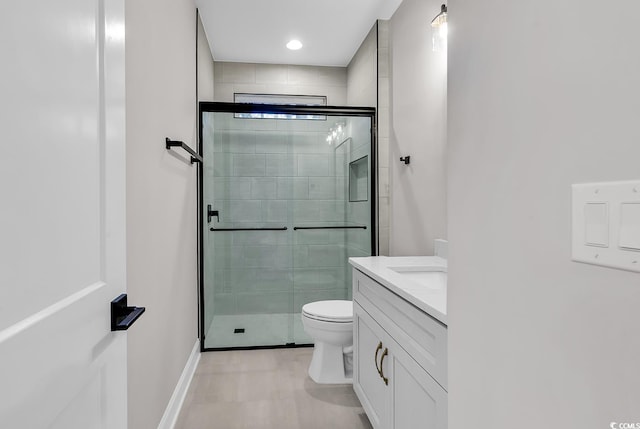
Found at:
(279, 165)
(383, 152)
(383, 122)
(217, 71)
(322, 188)
(223, 92)
(383, 33)
(232, 141)
(383, 62)
(383, 212)
(271, 73)
(383, 242)
(383, 182)
(271, 142)
(237, 188)
(250, 88)
(263, 188)
(238, 72)
(302, 75)
(244, 211)
(332, 76)
(383, 92)
(248, 165)
(337, 96)
(293, 188)
(275, 211)
(313, 165)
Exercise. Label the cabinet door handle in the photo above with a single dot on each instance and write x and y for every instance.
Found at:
(385, 379)
(375, 359)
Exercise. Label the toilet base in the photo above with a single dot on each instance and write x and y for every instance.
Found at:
(328, 365)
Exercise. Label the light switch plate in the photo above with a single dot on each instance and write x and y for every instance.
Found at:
(630, 226)
(596, 219)
(606, 224)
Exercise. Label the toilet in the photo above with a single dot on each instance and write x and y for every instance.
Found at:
(330, 324)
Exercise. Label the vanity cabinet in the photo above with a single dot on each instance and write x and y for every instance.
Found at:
(399, 360)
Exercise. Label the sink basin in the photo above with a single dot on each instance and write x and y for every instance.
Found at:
(423, 276)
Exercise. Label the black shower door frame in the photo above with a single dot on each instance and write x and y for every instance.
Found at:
(225, 107)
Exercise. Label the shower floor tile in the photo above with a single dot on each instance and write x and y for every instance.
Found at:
(259, 330)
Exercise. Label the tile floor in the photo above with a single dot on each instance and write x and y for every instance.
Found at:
(266, 389)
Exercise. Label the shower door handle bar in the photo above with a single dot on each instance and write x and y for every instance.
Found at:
(175, 143)
(295, 228)
(284, 228)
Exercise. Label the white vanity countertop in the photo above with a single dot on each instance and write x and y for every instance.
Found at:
(429, 295)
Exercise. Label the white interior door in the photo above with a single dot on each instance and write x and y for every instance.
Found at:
(62, 213)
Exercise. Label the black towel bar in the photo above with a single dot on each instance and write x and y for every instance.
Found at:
(175, 143)
(295, 228)
(284, 228)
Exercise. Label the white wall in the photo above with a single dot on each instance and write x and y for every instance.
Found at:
(418, 129)
(161, 201)
(541, 95)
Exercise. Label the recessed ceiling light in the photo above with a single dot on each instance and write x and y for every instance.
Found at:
(294, 45)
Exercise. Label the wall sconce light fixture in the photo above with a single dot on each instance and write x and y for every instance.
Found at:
(439, 30)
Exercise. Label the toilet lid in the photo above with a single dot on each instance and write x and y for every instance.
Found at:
(334, 311)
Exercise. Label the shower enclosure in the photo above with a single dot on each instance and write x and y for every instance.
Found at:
(286, 196)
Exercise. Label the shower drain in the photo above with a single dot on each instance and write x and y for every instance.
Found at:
(238, 331)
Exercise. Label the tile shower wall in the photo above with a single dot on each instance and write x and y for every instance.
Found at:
(207, 239)
(274, 173)
(358, 241)
(359, 212)
(270, 180)
(230, 78)
(384, 114)
(368, 85)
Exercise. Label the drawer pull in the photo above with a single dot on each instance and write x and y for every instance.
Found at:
(385, 379)
(375, 359)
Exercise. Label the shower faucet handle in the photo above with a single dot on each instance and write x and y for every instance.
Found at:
(211, 213)
(406, 159)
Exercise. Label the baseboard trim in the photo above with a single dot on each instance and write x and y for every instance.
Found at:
(174, 406)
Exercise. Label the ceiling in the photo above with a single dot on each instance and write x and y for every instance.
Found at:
(257, 31)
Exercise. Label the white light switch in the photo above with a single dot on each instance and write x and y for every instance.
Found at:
(596, 219)
(630, 226)
(605, 226)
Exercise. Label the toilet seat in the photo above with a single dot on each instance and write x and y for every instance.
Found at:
(334, 311)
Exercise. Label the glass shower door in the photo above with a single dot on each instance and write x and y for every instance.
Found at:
(332, 218)
(248, 254)
(285, 202)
